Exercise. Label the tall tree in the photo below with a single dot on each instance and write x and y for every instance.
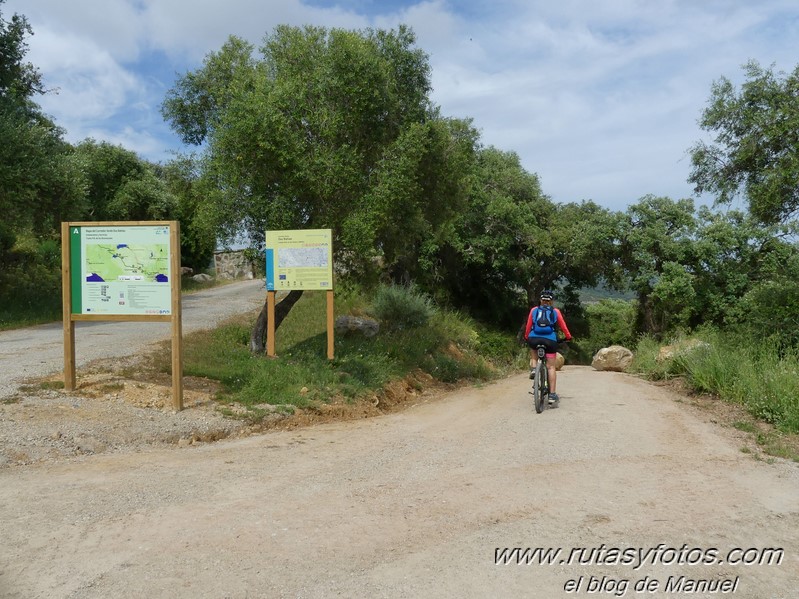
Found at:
(19, 80)
(313, 134)
(511, 241)
(40, 183)
(107, 168)
(193, 196)
(755, 151)
(657, 235)
(494, 255)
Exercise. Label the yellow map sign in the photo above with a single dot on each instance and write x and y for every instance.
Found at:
(299, 260)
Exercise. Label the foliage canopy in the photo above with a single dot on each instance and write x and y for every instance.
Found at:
(756, 145)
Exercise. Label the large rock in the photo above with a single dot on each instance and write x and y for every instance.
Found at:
(202, 278)
(615, 358)
(368, 327)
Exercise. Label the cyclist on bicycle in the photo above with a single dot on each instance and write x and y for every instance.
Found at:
(541, 330)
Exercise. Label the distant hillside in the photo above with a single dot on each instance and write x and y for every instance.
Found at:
(593, 295)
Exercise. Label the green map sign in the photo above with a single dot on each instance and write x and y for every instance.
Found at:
(120, 270)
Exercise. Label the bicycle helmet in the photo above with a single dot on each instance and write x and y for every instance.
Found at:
(547, 295)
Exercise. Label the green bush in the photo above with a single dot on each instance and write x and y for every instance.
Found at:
(30, 284)
(399, 307)
(645, 360)
(450, 348)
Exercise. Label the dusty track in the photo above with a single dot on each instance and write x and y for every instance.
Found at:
(412, 504)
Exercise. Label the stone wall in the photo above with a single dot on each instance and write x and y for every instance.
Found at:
(233, 265)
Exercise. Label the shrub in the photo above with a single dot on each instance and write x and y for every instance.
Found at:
(399, 307)
(30, 284)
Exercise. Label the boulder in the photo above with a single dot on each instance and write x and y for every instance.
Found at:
(202, 278)
(614, 358)
(368, 327)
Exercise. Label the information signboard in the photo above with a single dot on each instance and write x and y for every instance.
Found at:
(121, 270)
(301, 260)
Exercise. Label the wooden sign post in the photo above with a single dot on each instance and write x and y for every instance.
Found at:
(122, 271)
(299, 260)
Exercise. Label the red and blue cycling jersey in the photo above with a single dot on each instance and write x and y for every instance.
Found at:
(552, 336)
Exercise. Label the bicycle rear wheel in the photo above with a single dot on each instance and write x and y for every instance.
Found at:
(539, 387)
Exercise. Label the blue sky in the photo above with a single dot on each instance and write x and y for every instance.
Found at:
(600, 98)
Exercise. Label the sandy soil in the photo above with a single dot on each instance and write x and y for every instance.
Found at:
(416, 504)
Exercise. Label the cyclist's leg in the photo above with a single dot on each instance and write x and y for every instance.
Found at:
(553, 374)
(552, 348)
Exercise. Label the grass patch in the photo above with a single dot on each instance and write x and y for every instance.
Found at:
(51, 385)
(446, 346)
(775, 444)
(20, 318)
(746, 427)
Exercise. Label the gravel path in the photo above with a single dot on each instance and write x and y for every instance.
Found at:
(109, 412)
(417, 504)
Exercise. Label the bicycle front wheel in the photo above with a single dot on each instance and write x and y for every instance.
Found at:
(539, 387)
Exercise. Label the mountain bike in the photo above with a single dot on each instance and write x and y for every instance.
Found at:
(540, 378)
(540, 390)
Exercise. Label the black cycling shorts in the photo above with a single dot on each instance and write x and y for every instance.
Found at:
(552, 346)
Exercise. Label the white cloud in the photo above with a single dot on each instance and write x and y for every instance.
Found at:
(143, 143)
(113, 25)
(89, 85)
(600, 98)
(193, 30)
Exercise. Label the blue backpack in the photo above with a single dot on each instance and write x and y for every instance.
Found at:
(544, 320)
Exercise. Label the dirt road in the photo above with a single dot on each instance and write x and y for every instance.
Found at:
(417, 503)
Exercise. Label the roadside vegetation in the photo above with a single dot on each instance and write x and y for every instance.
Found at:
(418, 344)
(762, 377)
(759, 379)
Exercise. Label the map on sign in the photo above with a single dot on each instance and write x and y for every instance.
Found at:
(303, 258)
(123, 262)
(121, 269)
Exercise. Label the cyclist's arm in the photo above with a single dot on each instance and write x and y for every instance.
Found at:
(562, 325)
(529, 325)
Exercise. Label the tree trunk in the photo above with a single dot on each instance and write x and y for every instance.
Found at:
(258, 334)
